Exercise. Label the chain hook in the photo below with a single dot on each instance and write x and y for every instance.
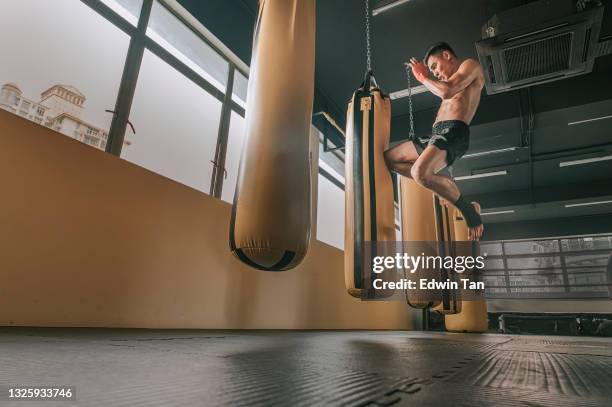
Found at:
(368, 45)
(410, 109)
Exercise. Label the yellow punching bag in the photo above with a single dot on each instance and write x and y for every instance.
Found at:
(425, 219)
(369, 210)
(418, 224)
(445, 233)
(473, 315)
(270, 220)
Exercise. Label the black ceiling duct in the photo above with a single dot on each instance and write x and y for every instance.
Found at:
(541, 41)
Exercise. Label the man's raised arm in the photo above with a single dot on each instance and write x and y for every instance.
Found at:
(469, 71)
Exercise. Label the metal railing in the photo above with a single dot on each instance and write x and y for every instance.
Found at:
(565, 267)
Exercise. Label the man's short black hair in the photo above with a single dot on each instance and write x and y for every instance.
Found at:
(436, 48)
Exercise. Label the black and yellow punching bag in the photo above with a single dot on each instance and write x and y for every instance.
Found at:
(270, 220)
(449, 299)
(418, 225)
(425, 219)
(369, 211)
(473, 314)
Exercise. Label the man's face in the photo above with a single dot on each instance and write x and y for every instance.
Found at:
(440, 65)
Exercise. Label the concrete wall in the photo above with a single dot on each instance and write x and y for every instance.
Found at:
(88, 239)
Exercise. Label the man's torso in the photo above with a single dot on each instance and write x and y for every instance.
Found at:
(463, 105)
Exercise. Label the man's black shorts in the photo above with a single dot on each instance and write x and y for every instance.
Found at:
(453, 136)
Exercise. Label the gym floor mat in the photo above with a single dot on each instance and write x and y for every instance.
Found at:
(132, 367)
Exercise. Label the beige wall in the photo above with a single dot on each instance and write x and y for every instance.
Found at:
(88, 239)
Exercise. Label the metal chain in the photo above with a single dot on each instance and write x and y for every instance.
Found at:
(368, 46)
(408, 75)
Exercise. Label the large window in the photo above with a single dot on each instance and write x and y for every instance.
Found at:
(176, 125)
(235, 142)
(182, 42)
(330, 210)
(64, 67)
(128, 9)
(239, 93)
(61, 66)
(549, 268)
(67, 66)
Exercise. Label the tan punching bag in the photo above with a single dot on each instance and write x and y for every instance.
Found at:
(369, 210)
(445, 233)
(270, 221)
(418, 224)
(425, 219)
(473, 315)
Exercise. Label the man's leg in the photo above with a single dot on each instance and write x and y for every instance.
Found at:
(424, 170)
(401, 158)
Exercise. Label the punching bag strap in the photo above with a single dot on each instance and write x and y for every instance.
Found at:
(369, 82)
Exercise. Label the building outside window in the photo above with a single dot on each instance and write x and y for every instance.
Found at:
(67, 92)
(56, 104)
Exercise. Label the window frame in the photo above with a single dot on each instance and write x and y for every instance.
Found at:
(139, 41)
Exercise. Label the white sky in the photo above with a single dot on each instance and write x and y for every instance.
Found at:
(177, 124)
(46, 42)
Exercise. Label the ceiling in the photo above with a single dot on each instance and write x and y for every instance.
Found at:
(535, 186)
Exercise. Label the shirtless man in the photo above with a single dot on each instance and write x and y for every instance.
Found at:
(458, 84)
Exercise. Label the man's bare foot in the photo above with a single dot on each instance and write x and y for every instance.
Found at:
(475, 233)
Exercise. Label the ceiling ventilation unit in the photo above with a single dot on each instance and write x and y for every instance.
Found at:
(541, 41)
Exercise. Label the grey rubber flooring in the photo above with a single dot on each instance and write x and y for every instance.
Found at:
(112, 367)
